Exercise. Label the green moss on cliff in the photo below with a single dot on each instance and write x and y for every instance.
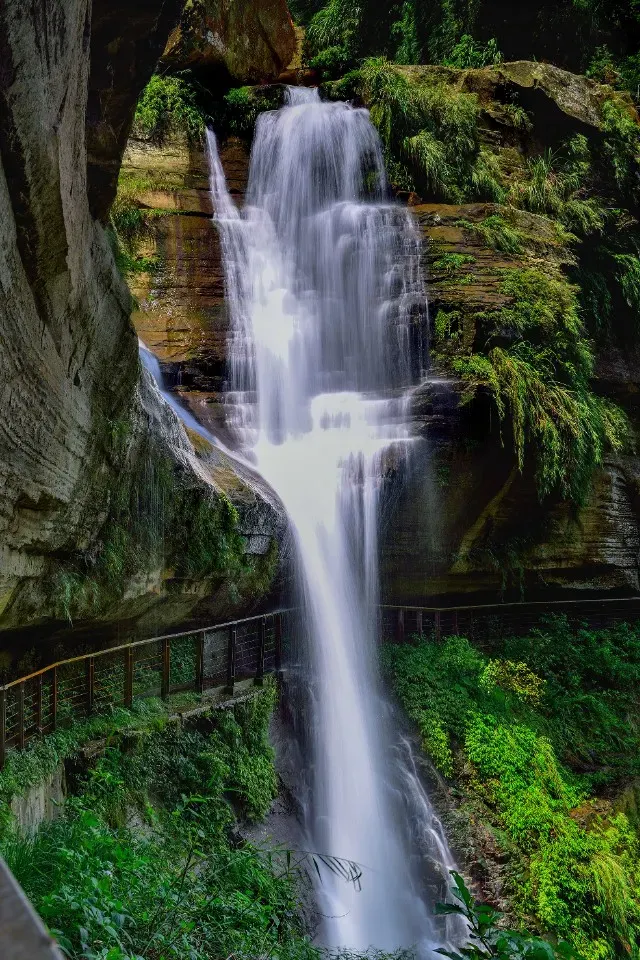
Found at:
(160, 521)
(536, 363)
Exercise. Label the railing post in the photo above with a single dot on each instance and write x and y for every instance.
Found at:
(455, 622)
(166, 667)
(436, 626)
(419, 623)
(39, 703)
(200, 662)
(400, 627)
(21, 716)
(54, 698)
(262, 636)
(231, 658)
(91, 673)
(3, 727)
(128, 677)
(278, 641)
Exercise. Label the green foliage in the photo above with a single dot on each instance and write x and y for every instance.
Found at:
(432, 129)
(533, 727)
(488, 937)
(537, 368)
(556, 184)
(451, 263)
(628, 276)
(621, 150)
(176, 887)
(468, 52)
(26, 768)
(515, 677)
(240, 108)
(496, 232)
(169, 106)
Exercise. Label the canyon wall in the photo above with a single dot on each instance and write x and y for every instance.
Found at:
(78, 422)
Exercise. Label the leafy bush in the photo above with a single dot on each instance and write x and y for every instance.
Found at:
(488, 937)
(177, 887)
(468, 52)
(532, 727)
(432, 129)
(169, 106)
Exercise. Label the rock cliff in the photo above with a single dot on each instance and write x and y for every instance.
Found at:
(79, 430)
(466, 525)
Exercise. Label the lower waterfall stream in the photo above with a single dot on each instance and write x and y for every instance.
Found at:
(327, 310)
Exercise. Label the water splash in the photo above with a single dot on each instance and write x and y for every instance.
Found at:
(328, 332)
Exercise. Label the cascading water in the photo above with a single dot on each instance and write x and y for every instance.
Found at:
(328, 309)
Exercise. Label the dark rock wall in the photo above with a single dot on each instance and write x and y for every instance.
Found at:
(68, 358)
(70, 74)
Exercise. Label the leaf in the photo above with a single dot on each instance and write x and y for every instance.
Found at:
(445, 909)
(461, 891)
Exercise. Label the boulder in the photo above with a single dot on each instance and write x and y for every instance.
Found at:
(247, 42)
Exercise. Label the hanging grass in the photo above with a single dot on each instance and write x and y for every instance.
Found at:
(537, 366)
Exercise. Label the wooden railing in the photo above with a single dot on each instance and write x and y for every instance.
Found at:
(485, 621)
(211, 657)
(220, 655)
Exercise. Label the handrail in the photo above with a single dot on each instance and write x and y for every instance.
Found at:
(29, 706)
(214, 656)
(141, 643)
(510, 604)
(22, 933)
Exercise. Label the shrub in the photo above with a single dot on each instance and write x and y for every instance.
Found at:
(515, 721)
(468, 52)
(169, 106)
(177, 887)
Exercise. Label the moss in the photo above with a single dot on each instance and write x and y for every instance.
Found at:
(157, 521)
(537, 366)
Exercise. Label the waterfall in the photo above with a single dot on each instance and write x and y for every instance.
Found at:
(328, 332)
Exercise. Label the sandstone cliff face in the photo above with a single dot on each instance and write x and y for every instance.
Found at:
(248, 42)
(465, 525)
(75, 427)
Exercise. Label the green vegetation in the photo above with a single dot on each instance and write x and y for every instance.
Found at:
(236, 114)
(537, 365)
(468, 52)
(536, 731)
(429, 131)
(488, 937)
(156, 519)
(145, 861)
(169, 106)
(601, 36)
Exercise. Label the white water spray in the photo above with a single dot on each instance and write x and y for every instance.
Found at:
(328, 317)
